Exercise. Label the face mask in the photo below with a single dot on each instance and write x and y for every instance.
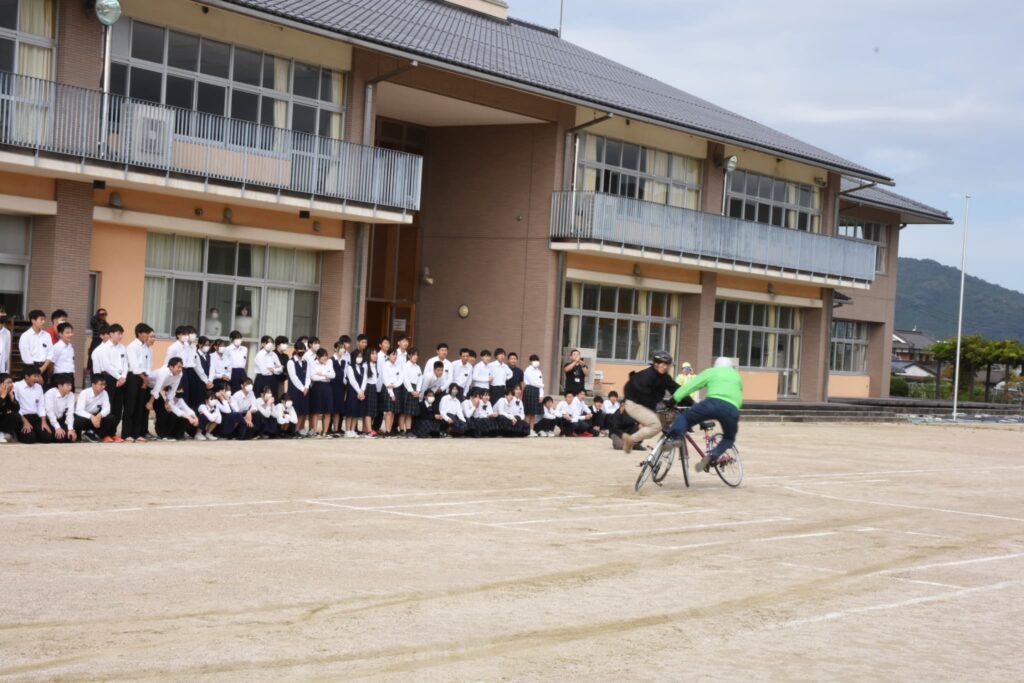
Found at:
(287, 404)
(220, 351)
(193, 338)
(211, 402)
(453, 394)
(236, 342)
(282, 347)
(535, 363)
(314, 347)
(268, 347)
(246, 390)
(214, 315)
(205, 349)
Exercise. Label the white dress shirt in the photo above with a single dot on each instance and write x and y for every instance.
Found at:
(211, 410)
(511, 409)
(431, 382)
(243, 401)
(391, 378)
(34, 346)
(63, 357)
(199, 358)
(265, 409)
(550, 414)
(412, 376)
(484, 410)
(610, 408)
(533, 377)
(181, 409)
(238, 356)
(176, 350)
(468, 409)
(382, 361)
(286, 414)
(164, 380)
(450, 406)
(90, 403)
(322, 372)
(428, 370)
(350, 378)
(220, 365)
(482, 375)
(266, 363)
(500, 372)
(403, 358)
(293, 379)
(5, 349)
(140, 358)
(60, 407)
(462, 374)
(571, 412)
(30, 399)
(112, 359)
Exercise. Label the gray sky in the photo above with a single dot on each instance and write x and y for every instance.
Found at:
(928, 92)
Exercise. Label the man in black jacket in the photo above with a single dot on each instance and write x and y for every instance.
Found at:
(644, 390)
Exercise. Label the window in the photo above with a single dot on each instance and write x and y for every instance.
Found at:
(616, 167)
(773, 201)
(875, 233)
(760, 335)
(27, 37)
(252, 288)
(14, 259)
(849, 347)
(623, 324)
(217, 78)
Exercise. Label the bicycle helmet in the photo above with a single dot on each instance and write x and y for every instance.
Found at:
(661, 357)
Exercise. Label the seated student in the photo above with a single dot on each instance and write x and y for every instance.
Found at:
(511, 418)
(475, 427)
(28, 393)
(548, 421)
(183, 422)
(10, 419)
(266, 415)
(321, 398)
(287, 419)
(597, 416)
(450, 412)
(427, 425)
(93, 421)
(586, 412)
(486, 420)
(569, 413)
(238, 355)
(60, 408)
(243, 408)
(230, 421)
(210, 417)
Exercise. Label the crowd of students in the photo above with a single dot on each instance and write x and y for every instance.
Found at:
(203, 390)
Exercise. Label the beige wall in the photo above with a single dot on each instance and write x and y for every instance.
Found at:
(760, 385)
(849, 386)
(615, 377)
(118, 254)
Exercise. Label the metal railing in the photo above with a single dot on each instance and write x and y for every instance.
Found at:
(623, 222)
(59, 119)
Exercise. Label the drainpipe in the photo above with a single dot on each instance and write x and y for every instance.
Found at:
(570, 163)
(361, 234)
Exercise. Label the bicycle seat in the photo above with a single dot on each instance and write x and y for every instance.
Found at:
(707, 426)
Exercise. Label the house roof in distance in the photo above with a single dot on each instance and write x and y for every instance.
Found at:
(519, 53)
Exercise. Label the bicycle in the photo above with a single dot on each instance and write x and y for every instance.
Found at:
(659, 461)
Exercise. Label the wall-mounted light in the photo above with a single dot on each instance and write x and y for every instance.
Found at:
(115, 200)
(636, 269)
(228, 214)
(427, 278)
(99, 184)
(463, 311)
(728, 163)
(107, 11)
(316, 226)
(199, 211)
(820, 182)
(771, 288)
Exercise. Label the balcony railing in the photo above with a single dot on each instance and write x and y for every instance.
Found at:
(622, 222)
(65, 120)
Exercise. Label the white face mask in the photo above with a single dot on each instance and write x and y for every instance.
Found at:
(282, 347)
(236, 342)
(246, 390)
(205, 349)
(192, 338)
(268, 347)
(287, 404)
(535, 363)
(429, 401)
(212, 402)
(214, 315)
(314, 347)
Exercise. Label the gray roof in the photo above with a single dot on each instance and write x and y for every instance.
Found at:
(910, 211)
(518, 52)
(912, 339)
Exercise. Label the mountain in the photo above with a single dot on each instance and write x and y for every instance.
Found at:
(927, 295)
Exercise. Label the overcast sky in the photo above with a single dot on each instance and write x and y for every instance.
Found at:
(928, 92)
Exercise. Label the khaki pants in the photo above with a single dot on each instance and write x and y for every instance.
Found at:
(650, 423)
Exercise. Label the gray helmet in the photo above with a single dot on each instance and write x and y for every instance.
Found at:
(661, 357)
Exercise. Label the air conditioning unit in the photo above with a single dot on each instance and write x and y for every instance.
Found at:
(152, 135)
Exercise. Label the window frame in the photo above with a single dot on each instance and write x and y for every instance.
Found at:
(852, 336)
(785, 206)
(737, 329)
(22, 260)
(856, 229)
(18, 37)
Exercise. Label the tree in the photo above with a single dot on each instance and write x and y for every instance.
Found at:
(974, 350)
(1011, 353)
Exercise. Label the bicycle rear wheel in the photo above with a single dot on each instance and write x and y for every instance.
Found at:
(649, 466)
(729, 466)
(665, 462)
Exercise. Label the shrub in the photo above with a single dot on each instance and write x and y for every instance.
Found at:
(899, 387)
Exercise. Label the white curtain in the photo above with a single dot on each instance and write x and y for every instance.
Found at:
(160, 251)
(277, 318)
(306, 269)
(36, 17)
(156, 303)
(281, 264)
(189, 254)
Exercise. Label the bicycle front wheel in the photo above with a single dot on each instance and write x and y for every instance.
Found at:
(664, 462)
(729, 466)
(649, 466)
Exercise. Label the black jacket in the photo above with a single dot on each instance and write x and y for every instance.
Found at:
(648, 387)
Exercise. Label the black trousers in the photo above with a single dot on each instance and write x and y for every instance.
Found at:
(107, 426)
(10, 424)
(570, 427)
(135, 420)
(37, 435)
(178, 427)
(545, 425)
(116, 394)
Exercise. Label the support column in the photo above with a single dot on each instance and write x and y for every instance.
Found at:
(879, 359)
(816, 342)
(59, 266)
(698, 324)
(336, 291)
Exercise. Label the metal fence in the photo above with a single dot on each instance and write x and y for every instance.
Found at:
(621, 221)
(66, 120)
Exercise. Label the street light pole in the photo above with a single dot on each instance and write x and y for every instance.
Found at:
(960, 319)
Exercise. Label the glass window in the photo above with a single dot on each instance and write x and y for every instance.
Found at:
(6, 55)
(160, 251)
(245, 106)
(182, 51)
(608, 299)
(188, 303)
(9, 14)
(621, 323)
(210, 99)
(773, 201)
(250, 260)
(221, 258)
(248, 67)
(215, 58)
(179, 91)
(220, 296)
(875, 233)
(14, 235)
(630, 170)
(849, 347)
(304, 317)
(304, 119)
(146, 85)
(306, 80)
(147, 42)
(750, 331)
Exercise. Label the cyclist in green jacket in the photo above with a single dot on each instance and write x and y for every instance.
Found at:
(722, 402)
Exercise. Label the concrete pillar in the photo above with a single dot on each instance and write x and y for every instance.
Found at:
(830, 204)
(879, 358)
(816, 343)
(713, 182)
(59, 266)
(698, 324)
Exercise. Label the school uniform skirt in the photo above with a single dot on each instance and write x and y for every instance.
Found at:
(263, 381)
(353, 406)
(195, 389)
(372, 402)
(531, 401)
(237, 375)
(299, 400)
(321, 399)
(410, 404)
(393, 406)
(338, 392)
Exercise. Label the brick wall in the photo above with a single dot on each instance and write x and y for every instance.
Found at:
(79, 45)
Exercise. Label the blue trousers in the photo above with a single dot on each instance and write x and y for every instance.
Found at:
(710, 409)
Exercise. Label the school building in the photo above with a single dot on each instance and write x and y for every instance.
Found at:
(434, 168)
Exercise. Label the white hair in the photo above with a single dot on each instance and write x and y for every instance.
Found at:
(723, 362)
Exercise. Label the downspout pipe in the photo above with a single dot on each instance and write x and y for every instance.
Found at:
(361, 234)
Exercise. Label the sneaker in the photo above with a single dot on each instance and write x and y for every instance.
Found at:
(370, 435)
(129, 440)
(627, 443)
(617, 442)
(211, 437)
(557, 431)
(533, 434)
(108, 439)
(117, 439)
(3, 438)
(167, 438)
(141, 439)
(704, 464)
(200, 436)
(90, 436)
(585, 435)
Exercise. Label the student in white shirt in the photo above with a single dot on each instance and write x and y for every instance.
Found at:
(204, 378)
(312, 346)
(403, 350)
(533, 378)
(321, 398)
(238, 354)
(373, 389)
(136, 395)
(266, 415)
(220, 363)
(34, 343)
(511, 418)
(412, 377)
(111, 359)
(243, 408)
(545, 426)
(434, 380)
(339, 361)
(462, 372)
(62, 354)
(267, 367)
(29, 394)
(183, 422)
(569, 413)
(450, 410)
(446, 377)
(391, 379)
(210, 417)
(356, 380)
(598, 418)
(5, 343)
(586, 412)
(165, 386)
(60, 408)
(10, 419)
(485, 419)
(193, 377)
(299, 381)
(93, 421)
(482, 376)
(287, 420)
(500, 374)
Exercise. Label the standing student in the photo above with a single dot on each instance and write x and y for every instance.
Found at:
(482, 374)
(178, 346)
(356, 379)
(28, 393)
(391, 392)
(403, 350)
(62, 353)
(10, 416)
(281, 344)
(462, 373)
(373, 387)
(56, 318)
(412, 378)
(210, 417)
(383, 347)
(517, 372)
(165, 388)
(312, 347)
(511, 418)
(198, 376)
(287, 420)
(239, 356)
(442, 357)
(5, 343)
(111, 359)
(267, 367)
(34, 343)
(339, 361)
(243, 410)
(299, 380)
(60, 408)
(321, 399)
(450, 410)
(96, 323)
(533, 379)
(576, 372)
(500, 374)
(93, 420)
(195, 390)
(136, 396)
(220, 363)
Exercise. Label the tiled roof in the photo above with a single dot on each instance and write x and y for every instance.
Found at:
(913, 339)
(519, 52)
(914, 211)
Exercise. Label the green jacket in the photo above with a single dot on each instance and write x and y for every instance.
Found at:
(724, 384)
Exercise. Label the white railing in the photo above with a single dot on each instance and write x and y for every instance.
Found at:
(616, 221)
(56, 119)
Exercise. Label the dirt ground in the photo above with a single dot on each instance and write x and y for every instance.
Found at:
(868, 552)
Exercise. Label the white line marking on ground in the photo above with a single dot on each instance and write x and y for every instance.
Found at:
(829, 570)
(416, 494)
(401, 513)
(904, 505)
(829, 482)
(831, 616)
(661, 530)
(198, 506)
(610, 505)
(590, 519)
(954, 563)
(930, 583)
(709, 544)
(478, 502)
(889, 471)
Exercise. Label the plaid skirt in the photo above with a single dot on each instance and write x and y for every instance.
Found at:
(531, 401)
(483, 426)
(410, 404)
(372, 401)
(387, 405)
